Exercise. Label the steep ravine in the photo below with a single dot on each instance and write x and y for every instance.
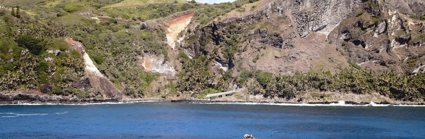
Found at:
(173, 29)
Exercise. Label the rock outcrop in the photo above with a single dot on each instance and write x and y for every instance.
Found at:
(97, 80)
(409, 7)
(156, 64)
(281, 36)
(319, 15)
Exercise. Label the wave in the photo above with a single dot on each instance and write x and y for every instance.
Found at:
(82, 104)
(339, 103)
(14, 115)
(32, 114)
(61, 113)
(6, 113)
(9, 116)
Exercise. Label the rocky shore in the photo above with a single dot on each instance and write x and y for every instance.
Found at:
(22, 98)
(25, 98)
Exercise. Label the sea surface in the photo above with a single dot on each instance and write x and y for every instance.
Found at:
(208, 121)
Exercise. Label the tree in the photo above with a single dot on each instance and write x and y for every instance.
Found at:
(18, 14)
(13, 11)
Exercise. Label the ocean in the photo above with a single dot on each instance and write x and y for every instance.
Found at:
(208, 121)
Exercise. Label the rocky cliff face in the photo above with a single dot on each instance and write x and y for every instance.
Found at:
(317, 15)
(285, 36)
(288, 37)
(383, 38)
(409, 7)
(280, 36)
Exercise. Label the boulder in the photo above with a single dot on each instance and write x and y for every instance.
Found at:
(345, 35)
(401, 40)
(381, 28)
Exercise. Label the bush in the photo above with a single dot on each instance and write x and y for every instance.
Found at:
(205, 92)
(98, 59)
(72, 7)
(263, 77)
(34, 45)
(42, 67)
(244, 76)
(419, 17)
(5, 45)
(58, 44)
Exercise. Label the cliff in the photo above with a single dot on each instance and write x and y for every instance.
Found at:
(284, 50)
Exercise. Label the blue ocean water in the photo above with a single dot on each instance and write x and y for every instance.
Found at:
(209, 121)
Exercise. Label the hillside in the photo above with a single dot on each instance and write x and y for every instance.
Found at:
(269, 50)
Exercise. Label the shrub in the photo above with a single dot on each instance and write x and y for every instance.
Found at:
(58, 44)
(34, 45)
(72, 7)
(98, 59)
(263, 77)
(205, 92)
(244, 76)
(42, 66)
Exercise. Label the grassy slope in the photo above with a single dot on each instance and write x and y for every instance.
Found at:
(112, 45)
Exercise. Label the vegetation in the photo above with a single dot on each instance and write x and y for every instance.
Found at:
(420, 17)
(195, 75)
(360, 81)
(25, 62)
(112, 44)
(34, 30)
(35, 46)
(72, 7)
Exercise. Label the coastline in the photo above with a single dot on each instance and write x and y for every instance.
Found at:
(19, 98)
(208, 102)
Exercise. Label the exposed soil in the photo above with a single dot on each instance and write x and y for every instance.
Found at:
(175, 26)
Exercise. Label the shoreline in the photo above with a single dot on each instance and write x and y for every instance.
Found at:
(210, 102)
